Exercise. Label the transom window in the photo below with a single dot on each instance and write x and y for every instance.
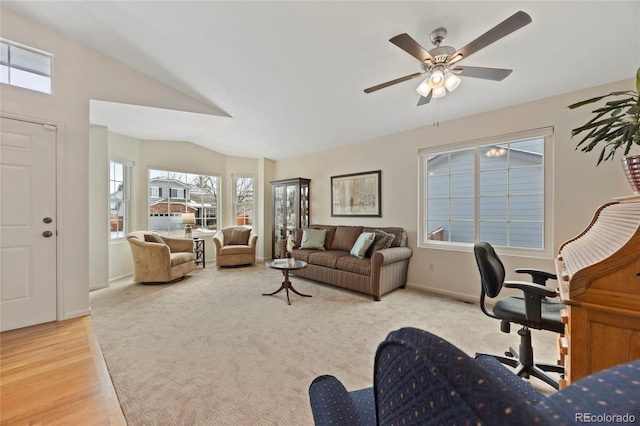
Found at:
(491, 190)
(25, 67)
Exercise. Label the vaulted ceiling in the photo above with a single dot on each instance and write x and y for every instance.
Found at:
(289, 75)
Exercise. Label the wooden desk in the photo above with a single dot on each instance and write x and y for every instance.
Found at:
(599, 276)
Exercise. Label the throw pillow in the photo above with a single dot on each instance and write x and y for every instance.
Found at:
(153, 238)
(362, 244)
(383, 240)
(239, 237)
(313, 239)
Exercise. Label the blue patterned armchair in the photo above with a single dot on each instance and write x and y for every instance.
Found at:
(421, 379)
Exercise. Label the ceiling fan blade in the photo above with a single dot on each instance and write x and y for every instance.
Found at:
(392, 82)
(424, 99)
(412, 47)
(506, 27)
(495, 74)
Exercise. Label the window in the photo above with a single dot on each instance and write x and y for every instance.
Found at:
(173, 193)
(490, 190)
(25, 67)
(243, 199)
(178, 193)
(118, 199)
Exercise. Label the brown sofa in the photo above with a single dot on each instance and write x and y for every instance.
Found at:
(159, 259)
(378, 273)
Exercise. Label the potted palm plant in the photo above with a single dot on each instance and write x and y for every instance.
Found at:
(614, 126)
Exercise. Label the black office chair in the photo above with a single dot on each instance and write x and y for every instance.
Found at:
(533, 310)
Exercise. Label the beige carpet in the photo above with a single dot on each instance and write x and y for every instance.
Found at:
(211, 350)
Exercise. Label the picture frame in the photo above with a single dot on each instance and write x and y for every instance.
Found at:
(356, 195)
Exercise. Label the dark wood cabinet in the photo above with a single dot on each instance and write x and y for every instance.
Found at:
(291, 209)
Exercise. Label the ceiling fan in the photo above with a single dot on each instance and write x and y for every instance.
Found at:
(441, 63)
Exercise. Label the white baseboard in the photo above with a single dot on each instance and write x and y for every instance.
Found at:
(450, 294)
(76, 314)
(119, 278)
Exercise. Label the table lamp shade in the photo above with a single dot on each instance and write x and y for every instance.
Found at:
(189, 218)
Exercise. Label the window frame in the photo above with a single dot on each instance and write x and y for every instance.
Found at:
(125, 200)
(547, 134)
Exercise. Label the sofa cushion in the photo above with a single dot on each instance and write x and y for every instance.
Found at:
(360, 266)
(153, 238)
(345, 237)
(180, 258)
(327, 258)
(239, 236)
(301, 254)
(401, 235)
(236, 249)
(382, 240)
(362, 244)
(313, 239)
(331, 232)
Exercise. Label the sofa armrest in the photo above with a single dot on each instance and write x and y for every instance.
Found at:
(513, 383)
(218, 241)
(331, 403)
(391, 255)
(178, 245)
(613, 392)
(147, 253)
(253, 240)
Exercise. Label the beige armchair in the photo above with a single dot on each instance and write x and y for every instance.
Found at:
(159, 259)
(235, 246)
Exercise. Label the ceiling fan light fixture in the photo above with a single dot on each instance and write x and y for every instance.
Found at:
(424, 88)
(451, 81)
(439, 92)
(437, 79)
(455, 59)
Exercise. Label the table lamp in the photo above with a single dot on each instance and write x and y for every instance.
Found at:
(188, 219)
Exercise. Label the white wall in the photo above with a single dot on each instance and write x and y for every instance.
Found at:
(80, 74)
(579, 186)
(99, 207)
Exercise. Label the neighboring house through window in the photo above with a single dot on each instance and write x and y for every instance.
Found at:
(119, 191)
(495, 190)
(244, 200)
(173, 193)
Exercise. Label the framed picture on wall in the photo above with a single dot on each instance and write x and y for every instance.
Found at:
(356, 194)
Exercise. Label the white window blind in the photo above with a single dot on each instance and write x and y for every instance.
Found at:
(25, 67)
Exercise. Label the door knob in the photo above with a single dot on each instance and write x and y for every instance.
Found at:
(47, 234)
(47, 220)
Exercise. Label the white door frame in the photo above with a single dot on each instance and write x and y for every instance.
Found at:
(60, 200)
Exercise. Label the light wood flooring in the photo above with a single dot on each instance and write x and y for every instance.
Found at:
(54, 374)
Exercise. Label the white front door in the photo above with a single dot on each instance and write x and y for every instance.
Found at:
(27, 223)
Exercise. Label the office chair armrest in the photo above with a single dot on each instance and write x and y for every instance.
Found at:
(537, 276)
(533, 295)
(531, 288)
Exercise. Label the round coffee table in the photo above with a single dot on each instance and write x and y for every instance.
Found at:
(286, 284)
